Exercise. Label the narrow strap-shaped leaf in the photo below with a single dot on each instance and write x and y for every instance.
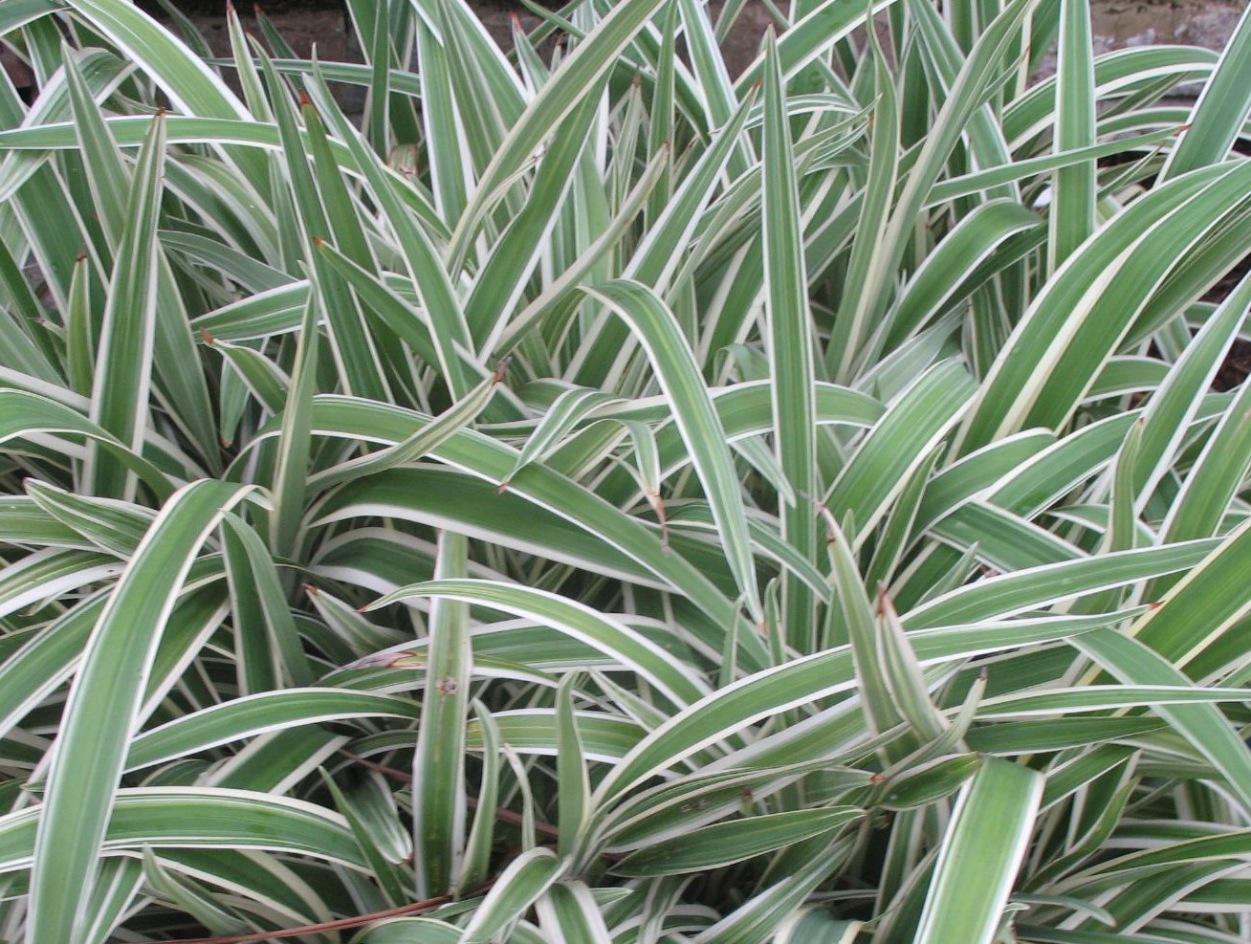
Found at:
(942, 278)
(678, 373)
(253, 715)
(189, 898)
(262, 378)
(723, 844)
(904, 678)
(658, 255)
(799, 681)
(1072, 211)
(425, 440)
(790, 348)
(901, 440)
(1174, 405)
(355, 354)
(575, 78)
(711, 77)
(258, 580)
(569, 913)
(525, 879)
(562, 289)
(1218, 115)
(90, 751)
(812, 35)
(579, 621)
(22, 414)
(119, 400)
(806, 866)
(478, 843)
(439, 761)
(120, 881)
(371, 835)
(853, 617)
(976, 181)
(1205, 728)
(1016, 592)
(852, 322)
(44, 662)
(1027, 364)
(174, 346)
(114, 526)
(188, 82)
(191, 85)
(573, 782)
(448, 165)
(964, 98)
(425, 268)
(1203, 605)
(291, 465)
(976, 865)
(502, 278)
(195, 817)
(1215, 477)
(565, 412)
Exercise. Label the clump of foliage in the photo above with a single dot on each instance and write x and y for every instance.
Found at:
(605, 500)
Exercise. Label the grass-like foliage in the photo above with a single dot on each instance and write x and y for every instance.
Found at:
(595, 498)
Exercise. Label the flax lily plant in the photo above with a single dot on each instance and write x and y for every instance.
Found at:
(592, 496)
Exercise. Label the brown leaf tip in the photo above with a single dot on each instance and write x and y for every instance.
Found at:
(501, 370)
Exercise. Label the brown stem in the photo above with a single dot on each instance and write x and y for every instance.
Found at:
(341, 923)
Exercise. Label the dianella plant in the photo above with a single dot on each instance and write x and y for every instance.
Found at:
(585, 493)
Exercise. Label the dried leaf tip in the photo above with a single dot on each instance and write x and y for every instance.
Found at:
(305, 101)
(207, 337)
(501, 370)
(885, 606)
